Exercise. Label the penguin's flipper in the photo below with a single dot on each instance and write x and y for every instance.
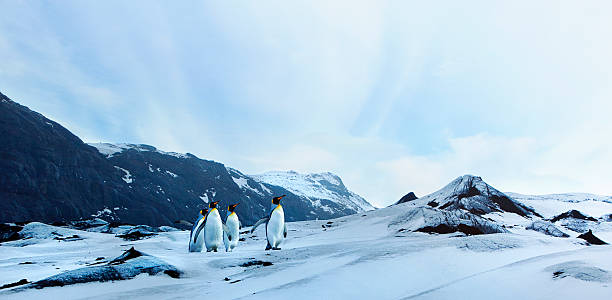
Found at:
(227, 232)
(263, 220)
(285, 230)
(197, 231)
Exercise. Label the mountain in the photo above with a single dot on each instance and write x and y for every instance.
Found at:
(407, 198)
(318, 188)
(48, 174)
(471, 193)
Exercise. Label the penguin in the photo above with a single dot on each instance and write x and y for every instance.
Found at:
(196, 238)
(276, 229)
(231, 229)
(213, 228)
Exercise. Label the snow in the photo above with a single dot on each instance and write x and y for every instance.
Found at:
(354, 257)
(171, 174)
(554, 204)
(316, 186)
(127, 177)
(110, 149)
(242, 182)
(204, 198)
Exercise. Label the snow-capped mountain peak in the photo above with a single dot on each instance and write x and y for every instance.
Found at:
(471, 193)
(315, 186)
(110, 149)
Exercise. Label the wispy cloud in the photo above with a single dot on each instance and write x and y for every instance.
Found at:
(393, 96)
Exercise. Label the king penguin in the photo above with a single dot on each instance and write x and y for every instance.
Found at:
(276, 230)
(196, 238)
(213, 229)
(231, 230)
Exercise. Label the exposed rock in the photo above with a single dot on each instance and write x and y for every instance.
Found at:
(36, 230)
(138, 233)
(591, 238)
(126, 266)
(579, 270)
(9, 232)
(407, 198)
(431, 220)
(14, 284)
(574, 214)
(256, 263)
(546, 228)
(471, 193)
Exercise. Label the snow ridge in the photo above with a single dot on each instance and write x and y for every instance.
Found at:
(110, 149)
(315, 186)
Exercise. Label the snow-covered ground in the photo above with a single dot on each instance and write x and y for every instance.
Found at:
(363, 256)
(554, 204)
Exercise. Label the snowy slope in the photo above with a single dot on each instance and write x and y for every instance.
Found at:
(316, 186)
(355, 257)
(554, 204)
(472, 194)
(110, 149)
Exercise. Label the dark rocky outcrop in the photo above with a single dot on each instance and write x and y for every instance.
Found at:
(9, 232)
(131, 263)
(573, 214)
(591, 238)
(407, 198)
(472, 194)
(432, 220)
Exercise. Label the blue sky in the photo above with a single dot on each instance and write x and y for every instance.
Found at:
(393, 96)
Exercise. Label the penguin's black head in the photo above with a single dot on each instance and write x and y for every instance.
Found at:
(232, 207)
(213, 204)
(204, 211)
(276, 200)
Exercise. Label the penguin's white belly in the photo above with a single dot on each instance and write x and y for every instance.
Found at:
(276, 227)
(233, 225)
(198, 245)
(213, 231)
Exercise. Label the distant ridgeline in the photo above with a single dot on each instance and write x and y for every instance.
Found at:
(48, 174)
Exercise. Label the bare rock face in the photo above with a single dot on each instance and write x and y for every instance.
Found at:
(591, 238)
(573, 214)
(407, 198)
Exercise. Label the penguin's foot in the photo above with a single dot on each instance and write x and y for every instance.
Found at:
(276, 248)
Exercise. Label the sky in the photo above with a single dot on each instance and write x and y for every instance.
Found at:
(393, 96)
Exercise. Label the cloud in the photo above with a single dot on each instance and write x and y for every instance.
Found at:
(394, 97)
